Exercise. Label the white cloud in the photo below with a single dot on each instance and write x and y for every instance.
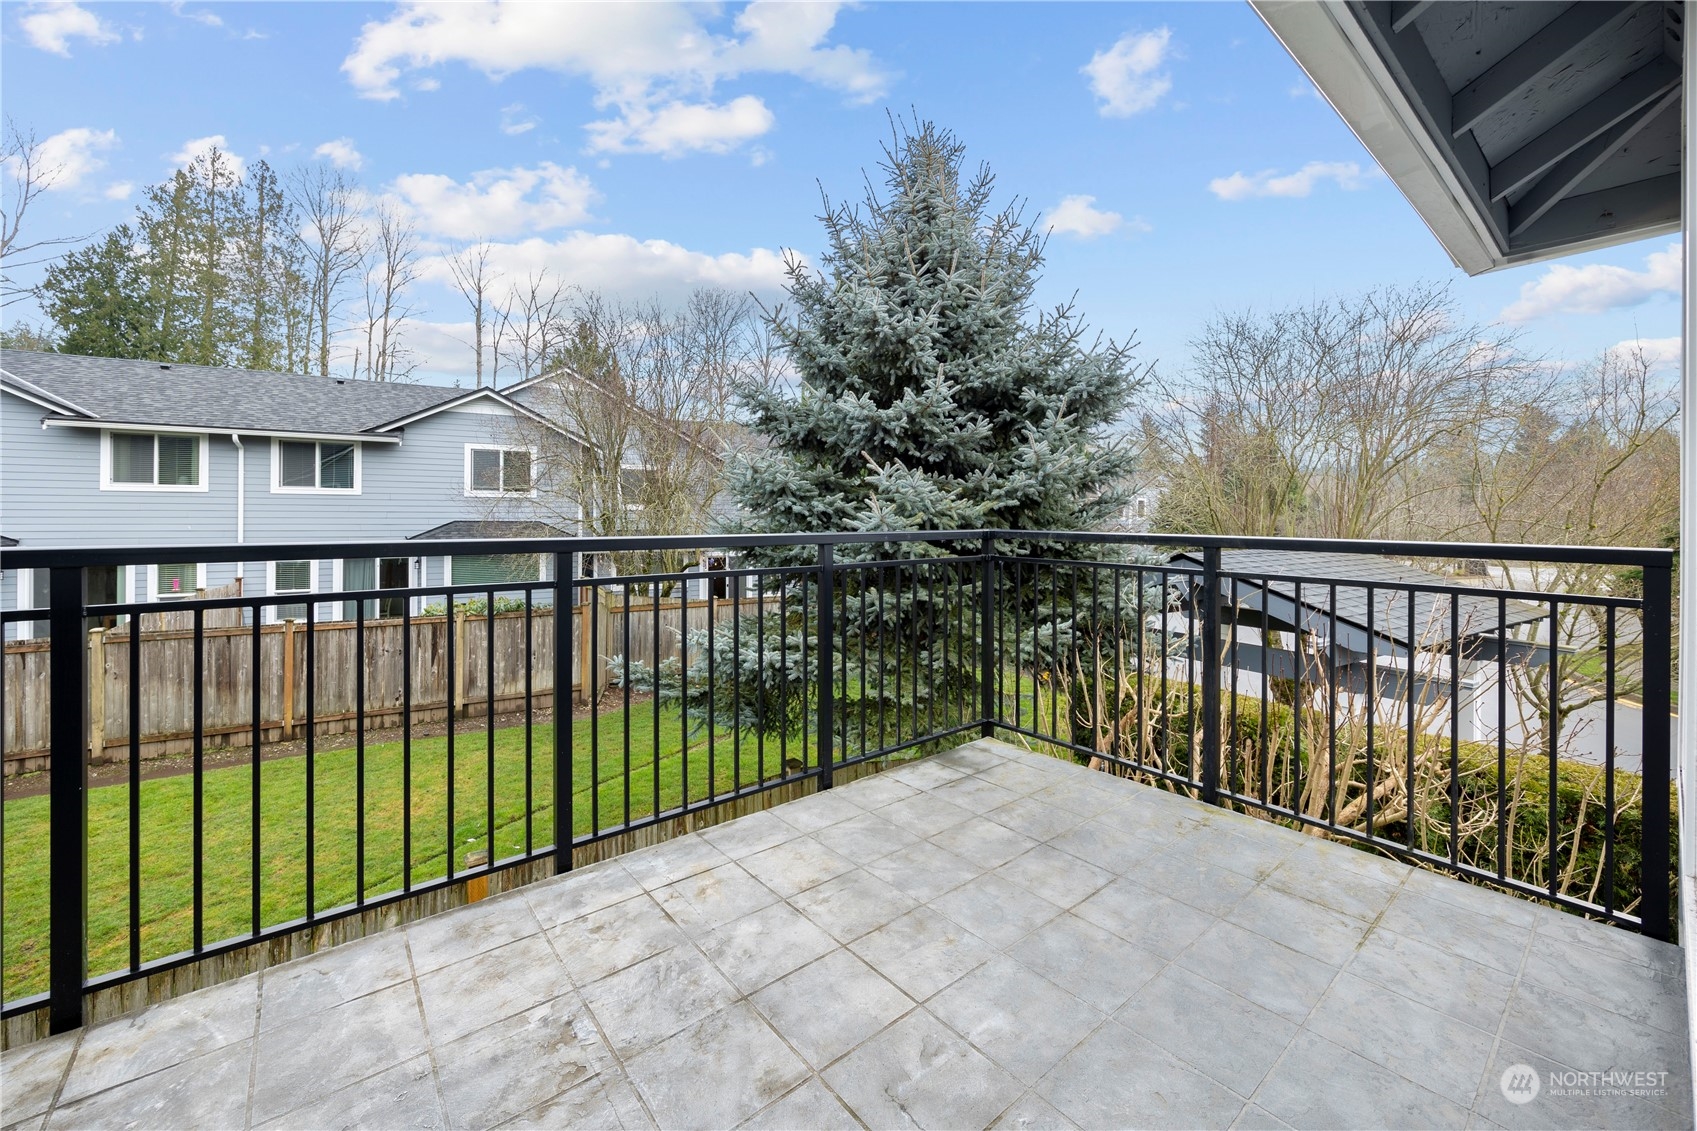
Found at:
(52, 26)
(195, 147)
(1659, 353)
(1127, 76)
(341, 153)
(654, 64)
(1079, 216)
(677, 128)
(1271, 182)
(624, 266)
(66, 159)
(1597, 287)
(119, 190)
(496, 202)
(198, 15)
(515, 121)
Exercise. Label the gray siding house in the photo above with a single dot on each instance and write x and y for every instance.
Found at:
(104, 451)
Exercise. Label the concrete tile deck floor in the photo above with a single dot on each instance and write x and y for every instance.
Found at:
(983, 938)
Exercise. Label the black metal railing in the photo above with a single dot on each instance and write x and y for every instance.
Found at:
(386, 743)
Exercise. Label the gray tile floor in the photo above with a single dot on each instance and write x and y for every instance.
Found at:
(985, 938)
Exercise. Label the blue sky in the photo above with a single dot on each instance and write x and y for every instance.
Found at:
(1188, 165)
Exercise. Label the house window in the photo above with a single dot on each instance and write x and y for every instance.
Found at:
(290, 577)
(305, 465)
(159, 460)
(499, 471)
(179, 580)
(489, 569)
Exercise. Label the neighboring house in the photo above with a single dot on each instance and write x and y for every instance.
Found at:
(112, 452)
(1316, 619)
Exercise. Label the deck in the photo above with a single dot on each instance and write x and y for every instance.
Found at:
(983, 938)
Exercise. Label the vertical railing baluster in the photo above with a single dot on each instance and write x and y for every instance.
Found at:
(987, 650)
(198, 697)
(827, 668)
(311, 763)
(406, 744)
(489, 729)
(448, 621)
(1554, 776)
(359, 753)
(67, 798)
(1210, 597)
(1609, 762)
(135, 785)
(564, 614)
(1654, 911)
(529, 720)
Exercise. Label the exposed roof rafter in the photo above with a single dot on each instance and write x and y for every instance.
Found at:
(1544, 52)
(1572, 170)
(1526, 164)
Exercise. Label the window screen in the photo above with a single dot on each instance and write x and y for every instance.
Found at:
(132, 458)
(515, 471)
(292, 577)
(336, 467)
(485, 469)
(299, 464)
(179, 461)
(176, 580)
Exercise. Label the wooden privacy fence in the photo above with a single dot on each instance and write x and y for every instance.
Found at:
(167, 661)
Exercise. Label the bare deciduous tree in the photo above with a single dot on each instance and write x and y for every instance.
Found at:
(475, 280)
(1326, 419)
(534, 322)
(333, 246)
(392, 269)
(28, 175)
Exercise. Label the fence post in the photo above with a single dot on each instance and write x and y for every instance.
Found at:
(827, 667)
(1654, 911)
(987, 641)
(67, 800)
(288, 719)
(563, 616)
(1209, 595)
(96, 695)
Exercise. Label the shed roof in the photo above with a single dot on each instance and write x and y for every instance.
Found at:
(467, 529)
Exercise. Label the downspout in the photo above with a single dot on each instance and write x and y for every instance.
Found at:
(241, 500)
(1686, 733)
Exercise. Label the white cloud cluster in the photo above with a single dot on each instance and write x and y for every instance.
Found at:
(52, 26)
(1271, 182)
(677, 128)
(341, 153)
(655, 64)
(1660, 354)
(1127, 77)
(1597, 287)
(496, 202)
(198, 15)
(195, 147)
(69, 157)
(1078, 216)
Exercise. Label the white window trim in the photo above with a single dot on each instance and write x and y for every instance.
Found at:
(271, 616)
(535, 460)
(153, 583)
(106, 483)
(277, 487)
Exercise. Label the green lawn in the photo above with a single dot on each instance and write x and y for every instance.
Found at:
(167, 811)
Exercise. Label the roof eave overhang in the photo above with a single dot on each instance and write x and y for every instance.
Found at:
(156, 426)
(1338, 55)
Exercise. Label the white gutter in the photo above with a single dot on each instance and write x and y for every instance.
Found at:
(1686, 780)
(133, 426)
(241, 498)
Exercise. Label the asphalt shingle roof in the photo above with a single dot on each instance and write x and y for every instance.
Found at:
(1353, 573)
(468, 528)
(213, 397)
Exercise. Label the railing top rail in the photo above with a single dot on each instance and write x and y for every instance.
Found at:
(19, 557)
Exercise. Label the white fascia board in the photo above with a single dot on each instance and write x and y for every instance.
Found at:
(134, 426)
(36, 395)
(479, 394)
(1331, 47)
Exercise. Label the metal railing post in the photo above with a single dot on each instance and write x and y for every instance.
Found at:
(987, 641)
(1654, 911)
(565, 612)
(1209, 595)
(67, 800)
(827, 666)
